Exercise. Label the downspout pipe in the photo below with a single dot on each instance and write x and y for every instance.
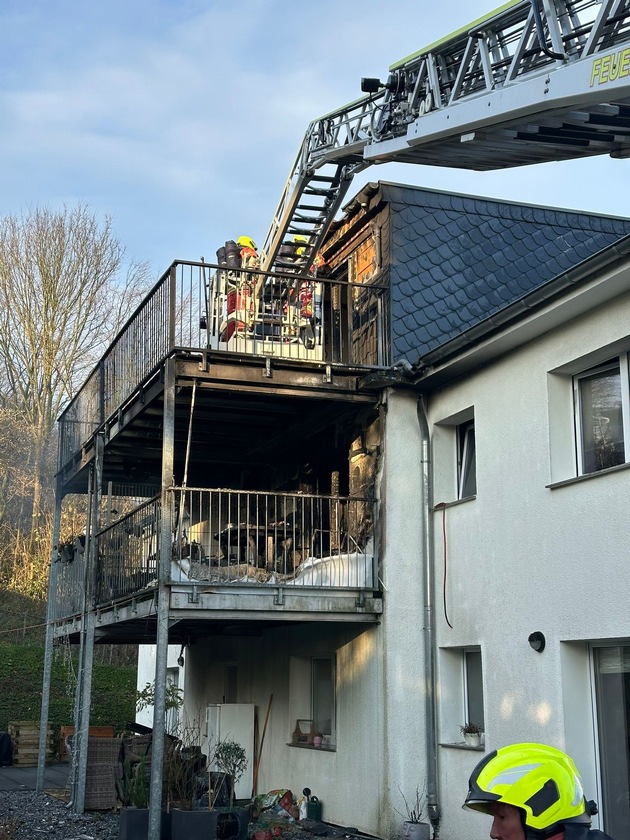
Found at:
(433, 802)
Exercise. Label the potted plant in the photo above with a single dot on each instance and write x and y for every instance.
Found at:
(184, 768)
(415, 825)
(230, 760)
(471, 733)
(134, 815)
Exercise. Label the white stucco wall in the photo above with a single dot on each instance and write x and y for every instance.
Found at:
(519, 557)
(522, 556)
(146, 674)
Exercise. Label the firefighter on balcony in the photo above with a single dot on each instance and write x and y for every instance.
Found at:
(532, 792)
(249, 252)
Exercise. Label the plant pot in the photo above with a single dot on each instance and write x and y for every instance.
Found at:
(472, 740)
(187, 824)
(232, 823)
(134, 824)
(416, 831)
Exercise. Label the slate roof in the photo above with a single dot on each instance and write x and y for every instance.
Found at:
(456, 260)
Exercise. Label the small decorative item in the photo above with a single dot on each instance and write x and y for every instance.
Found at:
(317, 739)
(302, 732)
(472, 734)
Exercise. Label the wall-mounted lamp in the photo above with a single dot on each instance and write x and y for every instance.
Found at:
(180, 658)
(536, 641)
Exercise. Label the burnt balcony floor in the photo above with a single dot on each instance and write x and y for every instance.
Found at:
(245, 413)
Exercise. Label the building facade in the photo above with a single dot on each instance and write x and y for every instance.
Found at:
(394, 509)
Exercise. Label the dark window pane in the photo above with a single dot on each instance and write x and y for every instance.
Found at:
(612, 686)
(467, 460)
(323, 696)
(602, 423)
(474, 688)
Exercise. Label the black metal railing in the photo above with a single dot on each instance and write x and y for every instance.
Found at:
(202, 307)
(237, 537)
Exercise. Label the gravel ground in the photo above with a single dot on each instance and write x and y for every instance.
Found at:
(25, 815)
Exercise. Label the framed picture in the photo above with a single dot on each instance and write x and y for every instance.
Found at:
(302, 734)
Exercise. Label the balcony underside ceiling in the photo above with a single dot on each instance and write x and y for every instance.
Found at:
(243, 421)
(137, 624)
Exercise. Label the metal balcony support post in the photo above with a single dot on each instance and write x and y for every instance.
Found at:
(48, 649)
(84, 680)
(164, 570)
(101, 392)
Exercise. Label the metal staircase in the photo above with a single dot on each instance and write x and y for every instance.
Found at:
(533, 81)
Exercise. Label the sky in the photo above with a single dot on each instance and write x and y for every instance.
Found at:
(180, 119)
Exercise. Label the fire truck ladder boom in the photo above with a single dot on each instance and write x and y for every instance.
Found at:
(533, 81)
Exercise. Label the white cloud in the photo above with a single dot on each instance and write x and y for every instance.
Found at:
(182, 119)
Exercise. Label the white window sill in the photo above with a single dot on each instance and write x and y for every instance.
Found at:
(323, 748)
(577, 478)
(440, 505)
(460, 745)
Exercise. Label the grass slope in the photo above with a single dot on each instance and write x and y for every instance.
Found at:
(113, 688)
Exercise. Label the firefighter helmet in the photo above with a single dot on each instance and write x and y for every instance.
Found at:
(299, 243)
(540, 780)
(246, 242)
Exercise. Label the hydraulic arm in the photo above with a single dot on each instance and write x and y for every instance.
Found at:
(533, 81)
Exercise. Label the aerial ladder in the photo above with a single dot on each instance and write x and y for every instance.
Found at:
(533, 81)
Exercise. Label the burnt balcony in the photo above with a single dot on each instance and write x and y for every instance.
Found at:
(297, 328)
(232, 556)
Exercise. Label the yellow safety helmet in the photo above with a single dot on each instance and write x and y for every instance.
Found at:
(246, 242)
(540, 780)
(300, 249)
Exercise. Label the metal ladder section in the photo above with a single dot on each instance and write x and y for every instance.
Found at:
(520, 41)
(330, 154)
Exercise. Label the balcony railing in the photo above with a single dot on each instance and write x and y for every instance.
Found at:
(197, 306)
(236, 538)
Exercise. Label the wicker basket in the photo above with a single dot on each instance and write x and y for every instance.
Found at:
(103, 770)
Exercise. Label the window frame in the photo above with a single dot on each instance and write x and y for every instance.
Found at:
(618, 363)
(466, 687)
(301, 695)
(331, 737)
(466, 457)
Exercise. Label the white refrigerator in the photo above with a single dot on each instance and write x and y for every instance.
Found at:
(233, 722)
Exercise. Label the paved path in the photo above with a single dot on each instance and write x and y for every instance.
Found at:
(25, 778)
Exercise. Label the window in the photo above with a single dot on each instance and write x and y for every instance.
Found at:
(453, 443)
(473, 688)
(312, 696)
(230, 684)
(461, 693)
(323, 696)
(612, 694)
(602, 420)
(466, 460)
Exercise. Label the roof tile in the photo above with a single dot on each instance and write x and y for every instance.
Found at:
(456, 260)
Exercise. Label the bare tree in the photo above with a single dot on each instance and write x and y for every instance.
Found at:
(63, 296)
